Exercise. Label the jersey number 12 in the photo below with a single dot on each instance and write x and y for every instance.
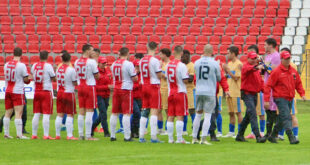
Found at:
(203, 72)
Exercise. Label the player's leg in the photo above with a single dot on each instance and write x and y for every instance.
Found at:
(120, 119)
(70, 110)
(63, 123)
(60, 104)
(135, 119)
(294, 119)
(96, 122)
(127, 110)
(144, 113)
(246, 119)
(47, 108)
(232, 120)
(155, 108)
(116, 109)
(36, 115)
(196, 123)
(24, 116)
(219, 118)
(213, 122)
(170, 118)
(91, 104)
(82, 111)
(19, 102)
(209, 104)
(6, 123)
(104, 122)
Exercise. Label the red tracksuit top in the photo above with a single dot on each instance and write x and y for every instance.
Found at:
(102, 83)
(251, 80)
(283, 83)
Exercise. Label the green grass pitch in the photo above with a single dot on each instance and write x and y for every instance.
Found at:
(227, 151)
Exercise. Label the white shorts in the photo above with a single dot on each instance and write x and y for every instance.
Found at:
(205, 103)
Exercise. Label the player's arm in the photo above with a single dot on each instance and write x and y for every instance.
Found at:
(26, 77)
(134, 78)
(158, 69)
(132, 72)
(228, 71)
(184, 73)
(96, 75)
(190, 78)
(74, 77)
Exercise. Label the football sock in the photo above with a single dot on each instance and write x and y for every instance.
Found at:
(231, 128)
(126, 126)
(193, 117)
(46, 124)
(281, 133)
(69, 126)
(185, 124)
(142, 128)
(35, 123)
(160, 124)
(170, 130)
(206, 124)
(219, 122)
(153, 124)
(179, 129)
(19, 127)
(58, 125)
(262, 124)
(81, 125)
(196, 125)
(120, 117)
(113, 122)
(295, 131)
(88, 123)
(6, 125)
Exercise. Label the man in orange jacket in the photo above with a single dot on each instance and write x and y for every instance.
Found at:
(283, 82)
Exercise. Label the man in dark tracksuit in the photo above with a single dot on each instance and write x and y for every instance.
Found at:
(251, 84)
(283, 82)
(137, 103)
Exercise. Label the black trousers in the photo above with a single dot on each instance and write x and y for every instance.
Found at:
(250, 101)
(103, 104)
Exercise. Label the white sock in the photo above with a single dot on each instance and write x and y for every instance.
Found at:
(35, 124)
(69, 126)
(206, 124)
(153, 123)
(143, 121)
(19, 127)
(126, 126)
(170, 130)
(88, 123)
(113, 122)
(81, 125)
(196, 125)
(46, 124)
(58, 122)
(6, 125)
(179, 129)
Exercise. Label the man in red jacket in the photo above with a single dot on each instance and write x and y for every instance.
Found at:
(103, 94)
(283, 82)
(251, 84)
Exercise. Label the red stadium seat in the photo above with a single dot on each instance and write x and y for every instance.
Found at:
(201, 12)
(250, 40)
(214, 40)
(261, 49)
(90, 21)
(77, 30)
(61, 11)
(131, 12)
(271, 13)
(223, 49)
(195, 30)
(166, 12)
(154, 12)
(144, 4)
(166, 39)
(143, 12)
(18, 20)
(148, 30)
(102, 21)
(34, 59)
(58, 60)
(249, 4)
(49, 11)
(118, 39)
(41, 29)
(73, 11)
(156, 3)
(57, 48)
(119, 12)
(85, 3)
(230, 30)
(6, 20)
(268, 22)
(236, 12)
(179, 40)
(142, 39)
(265, 31)
(154, 38)
(53, 29)
(113, 30)
(282, 13)
(94, 39)
(42, 20)
(244, 22)
(105, 48)
(136, 30)
(82, 39)
(254, 31)
(66, 21)
(185, 21)
(167, 3)
(278, 31)
(197, 21)
(238, 40)
(226, 40)
(45, 39)
(190, 39)
(172, 30)
(96, 12)
(33, 39)
(174, 21)
(108, 12)
(213, 12)
(18, 29)
(214, 4)
(126, 21)
(73, 59)
(149, 21)
(8, 39)
(190, 4)
(33, 48)
(70, 39)
(70, 47)
(256, 22)
(259, 13)
(273, 4)
(262, 39)
(131, 47)
(226, 4)
(179, 4)
(189, 12)
(160, 30)
(138, 21)
(6, 29)
(124, 30)
(114, 21)
(177, 12)
(4, 11)
(261, 4)
(50, 3)
(84, 11)
(207, 31)
(183, 30)
(280, 22)
(106, 39)
(54, 20)
(58, 39)
(161, 21)
(284, 4)
(65, 30)
(221, 58)
(132, 3)
(141, 48)
(100, 30)
(189, 47)
(196, 57)
(209, 21)
(110, 59)
(202, 40)
(221, 22)
(247, 12)
(26, 11)
(21, 39)
(45, 46)
(224, 12)
(218, 31)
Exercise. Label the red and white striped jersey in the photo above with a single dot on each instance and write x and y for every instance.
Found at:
(149, 67)
(42, 73)
(85, 69)
(14, 72)
(176, 72)
(123, 71)
(66, 75)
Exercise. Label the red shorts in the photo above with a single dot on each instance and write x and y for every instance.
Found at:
(66, 103)
(43, 102)
(122, 101)
(13, 99)
(87, 97)
(151, 96)
(177, 104)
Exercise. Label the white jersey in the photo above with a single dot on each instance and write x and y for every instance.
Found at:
(176, 72)
(85, 69)
(208, 73)
(14, 73)
(66, 75)
(149, 67)
(123, 71)
(42, 73)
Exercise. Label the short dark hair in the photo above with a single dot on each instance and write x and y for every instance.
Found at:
(286, 49)
(152, 45)
(123, 51)
(97, 50)
(18, 52)
(178, 49)
(66, 57)
(63, 51)
(166, 52)
(43, 55)
(86, 47)
(271, 41)
(254, 47)
(234, 49)
(139, 55)
(186, 52)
